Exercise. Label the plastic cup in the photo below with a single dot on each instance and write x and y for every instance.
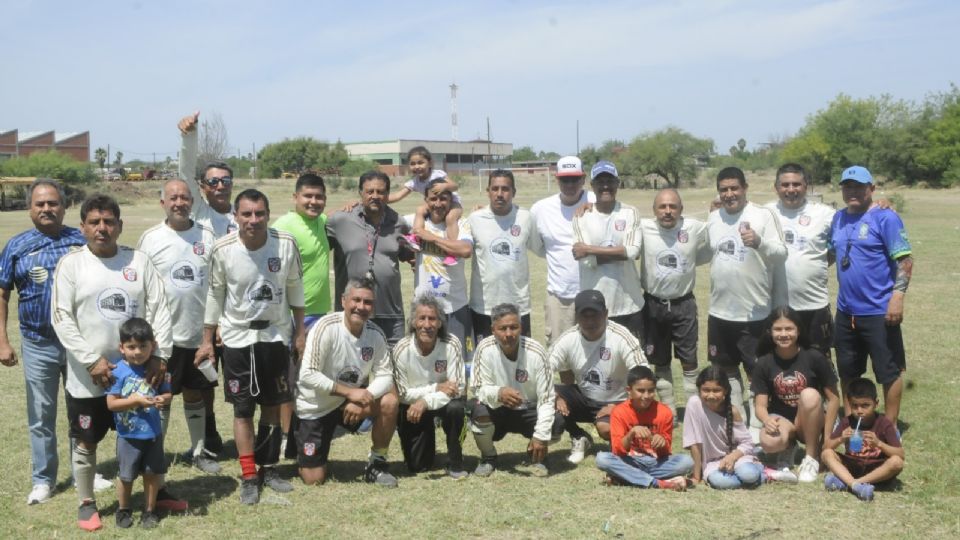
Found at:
(206, 367)
(856, 442)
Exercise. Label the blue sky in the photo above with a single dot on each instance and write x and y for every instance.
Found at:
(127, 71)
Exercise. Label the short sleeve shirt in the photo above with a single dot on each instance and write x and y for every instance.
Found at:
(783, 380)
(802, 281)
(140, 422)
(311, 237)
(447, 284)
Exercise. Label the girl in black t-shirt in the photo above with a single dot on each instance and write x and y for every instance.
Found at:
(796, 395)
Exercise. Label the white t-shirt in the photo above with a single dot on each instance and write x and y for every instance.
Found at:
(599, 367)
(417, 375)
(555, 224)
(259, 285)
(501, 272)
(618, 281)
(448, 284)
(334, 355)
(741, 278)
(182, 258)
(530, 374)
(92, 297)
(203, 213)
(671, 256)
(802, 281)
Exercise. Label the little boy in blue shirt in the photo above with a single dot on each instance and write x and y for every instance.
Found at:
(135, 405)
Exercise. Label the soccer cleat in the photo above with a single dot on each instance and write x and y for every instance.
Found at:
(88, 518)
(250, 490)
(863, 491)
(168, 502)
(539, 470)
(271, 478)
(832, 483)
(412, 241)
(809, 468)
(578, 448)
(206, 464)
(780, 475)
(457, 474)
(485, 468)
(124, 518)
(149, 520)
(39, 494)
(376, 473)
(449, 260)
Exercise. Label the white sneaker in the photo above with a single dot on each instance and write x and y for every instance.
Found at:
(809, 468)
(578, 449)
(781, 475)
(39, 494)
(101, 484)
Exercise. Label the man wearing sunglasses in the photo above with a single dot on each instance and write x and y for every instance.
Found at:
(213, 209)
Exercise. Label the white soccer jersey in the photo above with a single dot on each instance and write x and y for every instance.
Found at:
(741, 278)
(182, 258)
(501, 271)
(92, 297)
(334, 355)
(447, 284)
(248, 286)
(599, 367)
(671, 256)
(417, 375)
(203, 213)
(618, 281)
(555, 225)
(802, 281)
(530, 374)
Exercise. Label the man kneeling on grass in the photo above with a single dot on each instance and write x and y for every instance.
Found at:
(641, 433)
(345, 377)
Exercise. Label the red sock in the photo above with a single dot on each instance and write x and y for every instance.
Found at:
(248, 467)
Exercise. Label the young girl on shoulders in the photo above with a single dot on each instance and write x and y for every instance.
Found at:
(716, 437)
(420, 162)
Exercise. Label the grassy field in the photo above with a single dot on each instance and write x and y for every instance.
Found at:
(571, 502)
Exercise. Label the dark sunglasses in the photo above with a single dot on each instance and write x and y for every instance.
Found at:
(225, 180)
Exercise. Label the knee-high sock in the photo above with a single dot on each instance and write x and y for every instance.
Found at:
(665, 387)
(196, 417)
(736, 397)
(84, 470)
(690, 383)
(483, 435)
(266, 450)
(164, 420)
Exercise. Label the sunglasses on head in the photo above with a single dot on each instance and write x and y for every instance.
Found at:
(225, 180)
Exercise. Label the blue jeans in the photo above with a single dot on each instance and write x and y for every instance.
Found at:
(644, 471)
(44, 368)
(746, 475)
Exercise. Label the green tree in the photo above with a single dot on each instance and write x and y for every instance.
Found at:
(608, 150)
(119, 160)
(300, 154)
(50, 164)
(940, 157)
(524, 153)
(671, 154)
(100, 155)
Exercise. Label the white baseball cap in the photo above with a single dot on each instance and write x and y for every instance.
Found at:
(569, 166)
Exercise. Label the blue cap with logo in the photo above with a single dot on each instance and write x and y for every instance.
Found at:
(603, 167)
(857, 174)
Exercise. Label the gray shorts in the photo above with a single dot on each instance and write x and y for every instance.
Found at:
(137, 456)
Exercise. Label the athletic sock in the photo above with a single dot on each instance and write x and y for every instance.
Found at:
(164, 420)
(736, 397)
(84, 469)
(483, 436)
(248, 466)
(266, 449)
(378, 454)
(690, 383)
(196, 418)
(665, 387)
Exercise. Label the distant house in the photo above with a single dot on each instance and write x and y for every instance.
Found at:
(15, 143)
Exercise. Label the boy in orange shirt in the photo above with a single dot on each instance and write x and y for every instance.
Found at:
(641, 434)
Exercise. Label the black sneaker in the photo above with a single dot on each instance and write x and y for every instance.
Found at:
(250, 490)
(271, 478)
(124, 518)
(376, 473)
(149, 520)
(213, 442)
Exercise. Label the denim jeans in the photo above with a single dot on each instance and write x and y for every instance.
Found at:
(644, 471)
(44, 368)
(745, 475)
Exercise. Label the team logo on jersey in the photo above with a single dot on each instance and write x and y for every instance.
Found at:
(649, 350)
(130, 274)
(84, 421)
(668, 260)
(309, 449)
(440, 366)
(38, 275)
(515, 230)
(804, 220)
(273, 264)
(231, 227)
(199, 248)
(265, 292)
(789, 236)
(683, 237)
(789, 386)
(592, 377)
(366, 354)
(114, 304)
(713, 350)
(349, 376)
(864, 230)
(604, 353)
(521, 375)
(234, 386)
(620, 224)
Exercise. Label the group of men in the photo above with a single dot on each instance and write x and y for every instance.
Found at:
(217, 283)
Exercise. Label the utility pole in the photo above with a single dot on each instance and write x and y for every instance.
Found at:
(489, 150)
(454, 127)
(578, 137)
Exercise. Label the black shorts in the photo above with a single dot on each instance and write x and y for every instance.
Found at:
(314, 437)
(670, 329)
(818, 327)
(483, 325)
(183, 374)
(582, 408)
(632, 322)
(261, 379)
(731, 343)
(506, 420)
(89, 418)
(136, 456)
(856, 337)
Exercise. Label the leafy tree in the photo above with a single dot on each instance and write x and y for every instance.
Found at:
(100, 155)
(671, 154)
(940, 157)
(300, 154)
(119, 160)
(50, 164)
(608, 150)
(524, 153)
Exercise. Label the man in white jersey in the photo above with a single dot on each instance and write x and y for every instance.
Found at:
(502, 234)
(592, 359)
(346, 376)
(608, 241)
(554, 217)
(673, 247)
(96, 289)
(513, 389)
(747, 247)
(180, 248)
(801, 283)
(256, 281)
(211, 198)
(431, 381)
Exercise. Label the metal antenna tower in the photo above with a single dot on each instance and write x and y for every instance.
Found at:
(453, 112)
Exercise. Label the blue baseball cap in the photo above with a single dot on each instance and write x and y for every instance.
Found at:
(858, 174)
(603, 167)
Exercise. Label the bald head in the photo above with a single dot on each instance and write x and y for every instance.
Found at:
(177, 202)
(667, 207)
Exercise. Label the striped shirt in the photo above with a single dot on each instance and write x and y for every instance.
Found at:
(28, 262)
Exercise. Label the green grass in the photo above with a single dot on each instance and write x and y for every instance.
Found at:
(571, 502)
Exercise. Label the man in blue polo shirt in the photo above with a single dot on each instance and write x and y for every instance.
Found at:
(874, 266)
(28, 262)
